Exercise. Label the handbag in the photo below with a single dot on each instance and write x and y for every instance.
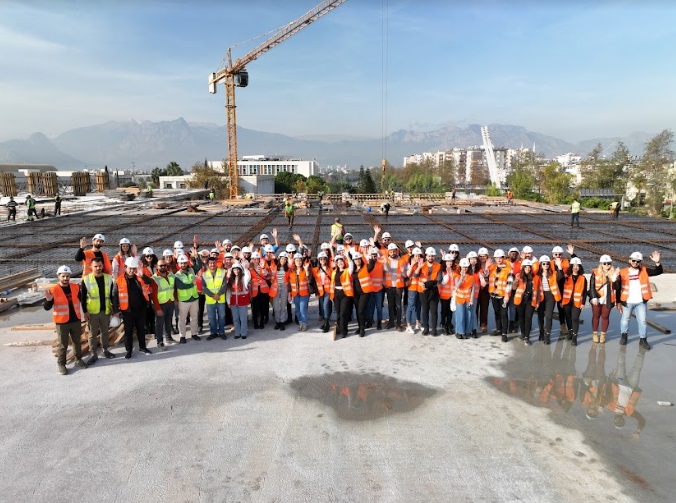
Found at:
(453, 304)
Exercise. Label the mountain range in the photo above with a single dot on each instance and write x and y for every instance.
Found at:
(146, 144)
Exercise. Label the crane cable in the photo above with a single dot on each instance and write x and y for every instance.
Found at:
(384, 68)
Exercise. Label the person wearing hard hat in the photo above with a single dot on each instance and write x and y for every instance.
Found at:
(484, 300)
(201, 260)
(86, 256)
(527, 298)
(96, 290)
(130, 298)
(126, 251)
(299, 289)
(279, 290)
(514, 259)
(574, 298)
(214, 287)
(395, 285)
(265, 242)
(337, 231)
(464, 285)
(164, 310)
(376, 300)
(322, 277)
(634, 293)
(237, 287)
(429, 277)
(289, 212)
(500, 280)
(603, 285)
(550, 279)
(561, 265)
(413, 307)
(147, 265)
(31, 212)
(64, 299)
(187, 295)
(342, 293)
(259, 290)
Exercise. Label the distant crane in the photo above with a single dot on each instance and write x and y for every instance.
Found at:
(490, 157)
(235, 75)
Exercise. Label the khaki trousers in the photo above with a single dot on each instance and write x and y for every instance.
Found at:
(74, 331)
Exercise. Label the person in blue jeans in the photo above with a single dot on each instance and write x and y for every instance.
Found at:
(413, 310)
(240, 299)
(634, 293)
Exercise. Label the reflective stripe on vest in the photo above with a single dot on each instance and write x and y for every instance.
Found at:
(446, 289)
(427, 275)
(345, 283)
(214, 284)
(93, 300)
(61, 311)
(538, 294)
(601, 290)
(299, 283)
(554, 287)
(377, 277)
(497, 280)
(185, 295)
(463, 288)
(643, 278)
(395, 277)
(165, 288)
(123, 293)
(364, 280)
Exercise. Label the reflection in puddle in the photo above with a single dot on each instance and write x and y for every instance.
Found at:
(362, 397)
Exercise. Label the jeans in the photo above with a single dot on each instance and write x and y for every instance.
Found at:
(641, 310)
(375, 304)
(239, 314)
(325, 307)
(413, 309)
(463, 318)
(163, 322)
(300, 303)
(575, 219)
(216, 313)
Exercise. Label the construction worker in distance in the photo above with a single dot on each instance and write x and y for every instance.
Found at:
(64, 298)
(289, 211)
(188, 297)
(57, 204)
(96, 290)
(86, 256)
(130, 298)
(126, 251)
(164, 309)
(11, 209)
(30, 204)
(634, 293)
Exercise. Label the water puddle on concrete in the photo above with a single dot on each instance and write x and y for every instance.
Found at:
(610, 393)
(362, 397)
(24, 316)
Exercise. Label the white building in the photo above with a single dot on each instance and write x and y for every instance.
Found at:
(269, 165)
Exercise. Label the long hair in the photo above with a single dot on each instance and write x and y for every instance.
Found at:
(569, 272)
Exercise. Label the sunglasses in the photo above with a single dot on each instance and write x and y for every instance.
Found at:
(607, 263)
(556, 254)
(637, 261)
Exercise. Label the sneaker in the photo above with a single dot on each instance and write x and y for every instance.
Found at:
(224, 337)
(169, 339)
(80, 363)
(196, 338)
(409, 329)
(623, 340)
(182, 340)
(63, 370)
(211, 337)
(237, 336)
(160, 344)
(146, 351)
(643, 343)
(92, 359)
(505, 338)
(244, 337)
(127, 355)
(108, 354)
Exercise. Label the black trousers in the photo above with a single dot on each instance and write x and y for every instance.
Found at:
(482, 306)
(429, 301)
(394, 296)
(260, 308)
(134, 319)
(501, 319)
(343, 307)
(446, 313)
(149, 318)
(361, 302)
(11, 214)
(562, 312)
(572, 316)
(545, 311)
(525, 311)
(201, 301)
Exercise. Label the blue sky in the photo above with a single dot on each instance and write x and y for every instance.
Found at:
(573, 69)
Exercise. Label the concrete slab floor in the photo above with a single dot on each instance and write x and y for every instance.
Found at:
(290, 416)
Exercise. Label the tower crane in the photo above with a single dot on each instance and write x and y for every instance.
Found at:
(490, 157)
(235, 75)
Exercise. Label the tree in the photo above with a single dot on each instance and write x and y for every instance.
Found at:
(315, 184)
(285, 182)
(206, 177)
(173, 169)
(555, 183)
(365, 183)
(156, 173)
(479, 176)
(653, 170)
(522, 182)
(340, 187)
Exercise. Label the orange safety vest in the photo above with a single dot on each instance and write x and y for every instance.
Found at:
(446, 289)
(377, 275)
(258, 283)
(538, 293)
(463, 290)
(274, 285)
(364, 280)
(574, 290)
(345, 283)
(497, 281)
(553, 287)
(120, 264)
(61, 311)
(123, 293)
(145, 271)
(395, 278)
(644, 280)
(600, 289)
(299, 283)
(425, 274)
(413, 281)
(87, 263)
(323, 285)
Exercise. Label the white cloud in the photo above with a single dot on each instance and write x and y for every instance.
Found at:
(12, 39)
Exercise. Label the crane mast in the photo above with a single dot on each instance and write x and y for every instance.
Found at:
(235, 75)
(490, 157)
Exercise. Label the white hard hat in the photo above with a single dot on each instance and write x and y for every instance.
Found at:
(545, 258)
(236, 265)
(605, 258)
(356, 255)
(514, 249)
(464, 262)
(364, 242)
(246, 249)
(297, 255)
(391, 246)
(448, 257)
(374, 251)
(178, 244)
(255, 255)
(214, 250)
(269, 249)
(182, 259)
(283, 254)
(525, 262)
(235, 247)
(124, 241)
(430, 251)
(290, 248)
(131, 262)
(482, 251)
(100, 236)
(527, 249)
(636, 256)
(322, 255)
(167, 253)
(227, 242)
(339, 257)
(417, 251)
(264, 236)
(386, 235)
(64, 269)
(347, 234)
(148, 251)
(575, 260)
(340, 248)
(228, 255)
(472, 254)
(325, 246)
(115, 321)
(409, 243)
(454, 248)
(499, 253)
(557, 249)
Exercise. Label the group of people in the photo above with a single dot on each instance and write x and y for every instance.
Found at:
(426, 291)
(31, 211)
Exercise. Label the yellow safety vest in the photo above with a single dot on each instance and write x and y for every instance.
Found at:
(94, 296)
(165, 288)
(214, 283)
(188, 293)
